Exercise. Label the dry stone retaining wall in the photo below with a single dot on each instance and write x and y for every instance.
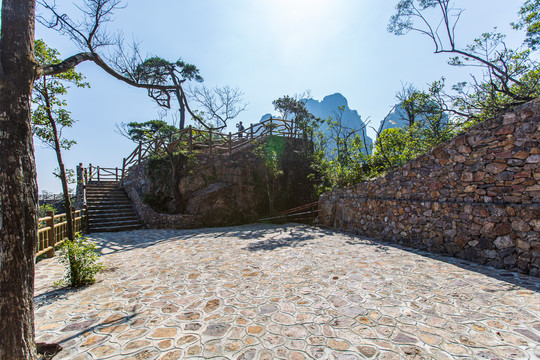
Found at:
(476, 196)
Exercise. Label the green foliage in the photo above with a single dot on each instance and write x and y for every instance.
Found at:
(42, 212)
(340, 155)
(397, 146)
(159, 169)
(517, 82)
(158, 71)
(431, 126)
(295, 109)
(509, 76)
(43, 209)
(145, 131)
(529, 19)
(48, 99)
(80, 257)
(161, 72)
(271, 152)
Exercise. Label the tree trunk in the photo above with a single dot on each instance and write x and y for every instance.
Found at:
(180, 99)
(18, 187)
(182, 114)
(67, 200)
(58, 150)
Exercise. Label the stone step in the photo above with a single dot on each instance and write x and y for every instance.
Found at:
(104, 191)
(109, 208)
(106, 200)
(115, 228)
(111, 205)
(111, 202)
(114, 222)
(104, 186)
(110, 214)
(121, 222)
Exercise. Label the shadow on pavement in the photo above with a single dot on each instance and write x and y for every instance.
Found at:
(268, 237)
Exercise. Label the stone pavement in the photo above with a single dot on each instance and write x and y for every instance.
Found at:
(284, 292)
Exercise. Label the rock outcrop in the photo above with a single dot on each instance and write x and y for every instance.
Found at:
(220, 189)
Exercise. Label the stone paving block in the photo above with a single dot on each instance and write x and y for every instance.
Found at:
(209, 293)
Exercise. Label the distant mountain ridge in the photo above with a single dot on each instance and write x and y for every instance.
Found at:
(329, 106)
(398, 118)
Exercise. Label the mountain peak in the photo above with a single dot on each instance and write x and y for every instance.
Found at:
(335, 100)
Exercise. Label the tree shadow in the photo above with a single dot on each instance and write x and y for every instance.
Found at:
(116, 242)
(280, 241)
(56, 294)
(268, 237)
(86, 326)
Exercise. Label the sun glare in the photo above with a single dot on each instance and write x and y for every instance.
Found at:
(300, 25)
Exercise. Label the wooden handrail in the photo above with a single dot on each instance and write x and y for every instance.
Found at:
(54, 231)
(191, 139)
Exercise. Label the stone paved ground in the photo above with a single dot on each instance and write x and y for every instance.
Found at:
(284, 292)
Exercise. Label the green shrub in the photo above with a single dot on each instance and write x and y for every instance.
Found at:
(80, 256)
(43, 209)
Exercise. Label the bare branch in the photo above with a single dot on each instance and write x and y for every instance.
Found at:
(220, 104)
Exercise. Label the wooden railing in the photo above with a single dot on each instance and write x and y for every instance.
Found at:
(191, 139)
(53, 230)
(97, 173)
(303, 213)
(188, 140)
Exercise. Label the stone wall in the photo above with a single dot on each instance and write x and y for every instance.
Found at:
(476, 196)
(218, 190)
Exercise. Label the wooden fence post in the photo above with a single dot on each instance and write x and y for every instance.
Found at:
(271, 126)
(84, 214)
(72, 221)
(251, 130)
(90, 172)
(116, 174)
(79, 191)
(51, 234)
(230, 143)
(98, 179)
(123, 167)
(140, 150)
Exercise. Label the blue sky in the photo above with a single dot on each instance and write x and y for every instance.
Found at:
(266, 48)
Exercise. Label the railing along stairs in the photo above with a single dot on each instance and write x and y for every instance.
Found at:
(191, 139)
(107, 202)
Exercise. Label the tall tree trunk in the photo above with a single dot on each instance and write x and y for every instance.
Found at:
(18, 186)
(180, 99)
(58, 150)
(182, 114)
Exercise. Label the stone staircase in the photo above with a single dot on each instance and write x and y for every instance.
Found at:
(109, 208)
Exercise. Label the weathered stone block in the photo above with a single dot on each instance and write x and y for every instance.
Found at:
(495, 168)
(520, 225)
(504, 130)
